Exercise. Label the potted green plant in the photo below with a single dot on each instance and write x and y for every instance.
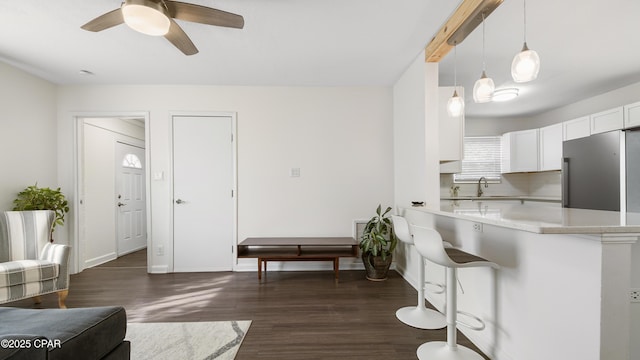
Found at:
(377, 244)
(36, 198)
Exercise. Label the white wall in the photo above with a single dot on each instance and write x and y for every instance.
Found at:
(27, 134)
(542, 184)
(340, 138)
(410, 175)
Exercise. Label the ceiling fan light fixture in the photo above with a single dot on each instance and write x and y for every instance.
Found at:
(146, 17)
(505, 94)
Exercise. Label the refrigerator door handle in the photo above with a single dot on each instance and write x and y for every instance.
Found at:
(565, 182)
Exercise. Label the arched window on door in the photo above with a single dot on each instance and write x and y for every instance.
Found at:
(131, 161)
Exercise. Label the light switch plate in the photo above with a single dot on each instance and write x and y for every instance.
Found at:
(294, 172)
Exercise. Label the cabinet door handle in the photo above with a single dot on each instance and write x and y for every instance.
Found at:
(180, 201)
(565, 182)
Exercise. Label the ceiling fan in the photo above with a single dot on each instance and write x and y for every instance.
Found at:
(155, 17)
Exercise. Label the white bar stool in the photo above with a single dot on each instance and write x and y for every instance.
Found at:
(418, 316)
(428, 242)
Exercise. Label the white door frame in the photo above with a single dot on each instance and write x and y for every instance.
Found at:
(78, 136)
(234, 236)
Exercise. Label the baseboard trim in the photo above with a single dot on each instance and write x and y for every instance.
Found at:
(100, 260)
(159, 269)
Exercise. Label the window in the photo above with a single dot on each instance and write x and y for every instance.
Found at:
(482, 157)
(131, 161)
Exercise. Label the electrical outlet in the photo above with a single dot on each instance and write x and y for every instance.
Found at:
(477, 227)
(634, 295)
(160, 250)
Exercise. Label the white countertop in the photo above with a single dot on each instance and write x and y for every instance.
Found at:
(504, 197)
(538, 218)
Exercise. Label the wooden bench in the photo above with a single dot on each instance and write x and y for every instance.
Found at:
(298, 249)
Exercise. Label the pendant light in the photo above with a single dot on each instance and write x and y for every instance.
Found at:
(526, 63)
(455, 105)
(483, 88)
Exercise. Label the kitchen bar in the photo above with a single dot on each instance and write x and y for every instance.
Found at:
(562, 291)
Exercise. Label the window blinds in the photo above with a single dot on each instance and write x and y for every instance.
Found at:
(482, 157)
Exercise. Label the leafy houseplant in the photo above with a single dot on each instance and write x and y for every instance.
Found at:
(377, 244)
(35, 198)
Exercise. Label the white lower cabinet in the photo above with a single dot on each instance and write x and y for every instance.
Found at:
(520, 151)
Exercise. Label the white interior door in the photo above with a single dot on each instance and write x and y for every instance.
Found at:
(130, 198)
(203, 207)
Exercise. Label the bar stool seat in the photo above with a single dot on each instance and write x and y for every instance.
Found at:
(428, 243)
(418, 316)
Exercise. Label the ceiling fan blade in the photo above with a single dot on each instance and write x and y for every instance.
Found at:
(179, 39)
(105, 21)
(204, 15)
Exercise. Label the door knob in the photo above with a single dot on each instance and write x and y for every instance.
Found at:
(179, 201)
(121, 204)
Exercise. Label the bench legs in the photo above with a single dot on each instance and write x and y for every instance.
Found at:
(263, 261)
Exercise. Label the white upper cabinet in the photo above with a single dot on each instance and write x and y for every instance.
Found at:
(608, 120)
(520, 151)
(451, 129)
(576, 128)
(632, 115)
(550, 147)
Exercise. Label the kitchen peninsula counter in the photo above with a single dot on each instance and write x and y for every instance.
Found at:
(538, 219)
(563, 283)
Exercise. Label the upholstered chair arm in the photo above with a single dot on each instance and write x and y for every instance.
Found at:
(58, 254)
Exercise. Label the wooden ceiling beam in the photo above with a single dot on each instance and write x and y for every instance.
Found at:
(461, 23)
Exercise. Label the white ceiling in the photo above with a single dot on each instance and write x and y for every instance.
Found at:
(587, 47)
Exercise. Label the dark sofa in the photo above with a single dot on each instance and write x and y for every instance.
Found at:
(83, 333)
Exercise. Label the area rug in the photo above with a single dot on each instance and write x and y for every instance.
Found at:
(186, 340)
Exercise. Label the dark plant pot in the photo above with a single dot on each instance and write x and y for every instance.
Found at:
(377, 269)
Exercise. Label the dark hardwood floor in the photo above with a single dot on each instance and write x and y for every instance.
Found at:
(296, 315)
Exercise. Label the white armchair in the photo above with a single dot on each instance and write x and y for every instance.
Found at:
(30, 265)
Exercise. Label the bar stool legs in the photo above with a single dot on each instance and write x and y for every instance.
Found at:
(429, 244)
(449, 350)
(420, 316)
(417, 316)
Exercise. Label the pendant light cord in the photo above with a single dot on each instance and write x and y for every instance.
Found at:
(525, 19)
(455, 64)
(484, 65)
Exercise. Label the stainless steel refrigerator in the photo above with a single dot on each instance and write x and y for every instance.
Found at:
(602, 171)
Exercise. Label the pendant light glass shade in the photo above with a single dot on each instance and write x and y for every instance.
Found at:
(483, 89)
(145, 19)
(455, 105)
(525, 65)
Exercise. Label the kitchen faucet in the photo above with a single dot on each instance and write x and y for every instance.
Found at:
(486, 185)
